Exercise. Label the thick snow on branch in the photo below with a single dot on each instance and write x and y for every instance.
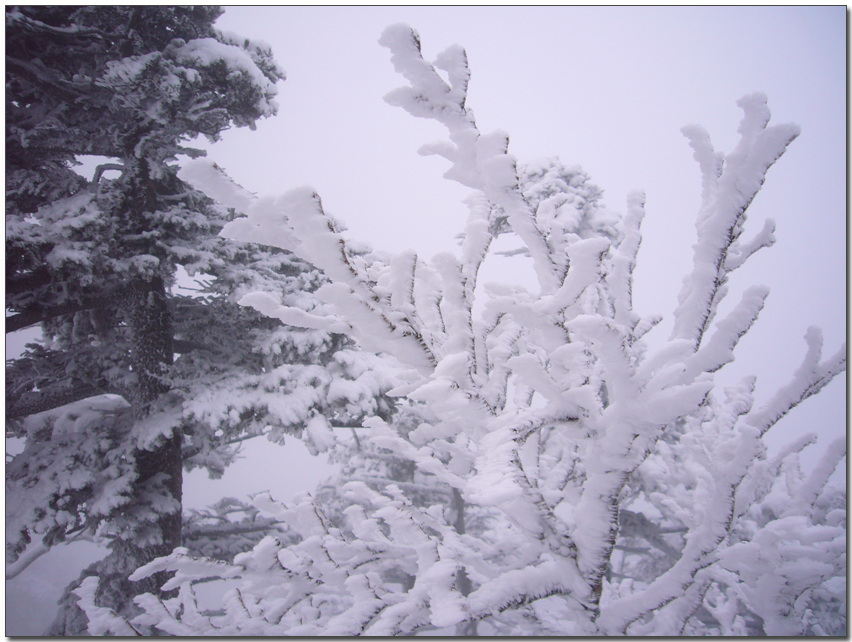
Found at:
(730, 182)
(207, 52)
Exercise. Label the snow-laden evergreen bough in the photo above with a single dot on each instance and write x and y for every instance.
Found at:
(616, 489)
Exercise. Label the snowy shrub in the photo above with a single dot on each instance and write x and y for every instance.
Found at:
(612, 487)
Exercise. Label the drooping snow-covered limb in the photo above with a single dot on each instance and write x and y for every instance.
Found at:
(729, 185)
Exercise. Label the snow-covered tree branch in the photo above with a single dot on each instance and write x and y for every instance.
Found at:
(593, 484)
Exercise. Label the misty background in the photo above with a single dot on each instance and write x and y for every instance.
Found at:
(607, 88)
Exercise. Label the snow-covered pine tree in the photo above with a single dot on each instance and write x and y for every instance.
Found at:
(551, 415)
(135, 379)
(93, 262)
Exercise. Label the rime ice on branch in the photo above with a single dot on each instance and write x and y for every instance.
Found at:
(614, 489)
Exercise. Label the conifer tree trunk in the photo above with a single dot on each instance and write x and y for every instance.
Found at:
(152, 336)
(150, 321)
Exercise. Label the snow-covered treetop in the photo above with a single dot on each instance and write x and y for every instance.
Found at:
(132, 84)
(142, 82)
